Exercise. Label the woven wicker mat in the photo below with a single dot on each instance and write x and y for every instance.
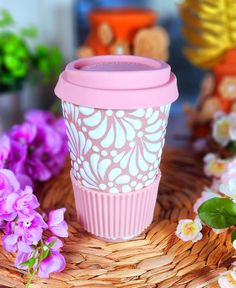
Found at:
(155, 259)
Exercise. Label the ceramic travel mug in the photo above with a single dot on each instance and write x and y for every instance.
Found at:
(116, 111)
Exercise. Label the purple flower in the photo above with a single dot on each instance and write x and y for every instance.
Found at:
(24, 253)
(13, 199)
(24, 181)
(36, 169)
(8, 186)
(48, 150)
(36, 148)
(4, 149)
(55, 262)
(39, 117)
(8, 183)
(23, 133)
(57, 224)
(60, 126)
(30, 228)
(10, 242)
(17, 157)
(22, 204)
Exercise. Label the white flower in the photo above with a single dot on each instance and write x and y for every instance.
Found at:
(189, 230)
(232, 132)
(229, 189)
(230, 172)
(234, 244)
(215, 185)
(207, 194)
(224, 129)
(214, 166)
(227, 280)
(221, 130)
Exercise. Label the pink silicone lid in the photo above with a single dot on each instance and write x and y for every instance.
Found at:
(117, 82)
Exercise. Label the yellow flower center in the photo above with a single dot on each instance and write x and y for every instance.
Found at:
(230, 279)
(223, 128)
(216, 167)
(189, 228)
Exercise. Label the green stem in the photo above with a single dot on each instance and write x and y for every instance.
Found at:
(40, 258)
(32, 275)
(30, 278)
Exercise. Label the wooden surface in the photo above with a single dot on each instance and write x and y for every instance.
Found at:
(157, 258)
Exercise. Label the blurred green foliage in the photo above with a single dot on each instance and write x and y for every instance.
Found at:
(18, 62)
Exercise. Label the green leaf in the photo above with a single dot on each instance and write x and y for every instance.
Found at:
(44, 253)
(52, 243)
(233, 236)
(218, 213)
(5, 18)
(30, 263)
(231, 147)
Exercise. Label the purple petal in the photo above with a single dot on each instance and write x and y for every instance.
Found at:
(57, 245)
(23, 133)
(39, 117)
(17, 157)
(24, 181)
(24, 247)
(55, 217)
(11, 201)
(38, 220)
(53, 263)
(26, 203)
(35, 234)
(8, 180)
(9, 242)
(60, 230)
(37, 170)
(60, 126)
(20, 258)
(4, 149)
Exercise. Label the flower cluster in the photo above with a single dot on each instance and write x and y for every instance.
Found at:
(216, 207)
(223, 173)
(36, 149)
(24, 228)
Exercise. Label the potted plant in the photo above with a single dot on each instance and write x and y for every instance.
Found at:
(20, 64)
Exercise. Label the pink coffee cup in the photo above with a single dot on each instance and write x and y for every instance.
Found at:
(116, 110)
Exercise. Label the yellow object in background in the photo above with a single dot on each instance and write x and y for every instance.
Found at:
(209, 29)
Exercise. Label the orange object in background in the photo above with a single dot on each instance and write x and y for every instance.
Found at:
(221, 97)
(225, 76)
(124, 23)
(125, 31)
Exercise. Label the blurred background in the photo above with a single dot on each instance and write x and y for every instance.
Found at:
(37, 38)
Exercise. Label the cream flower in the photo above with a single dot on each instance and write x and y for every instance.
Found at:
(234, 245)
(189, 230)
(224, 129)
(207, 194)
(232, 132)
(227, 280)
(214, 166)
(230, 172)
(229, 189)
(221, 130)
(215, 185)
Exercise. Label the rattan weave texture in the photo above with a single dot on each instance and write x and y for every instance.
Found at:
(157, 258)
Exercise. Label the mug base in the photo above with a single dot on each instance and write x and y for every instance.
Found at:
(115, 217)
(115, 240)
